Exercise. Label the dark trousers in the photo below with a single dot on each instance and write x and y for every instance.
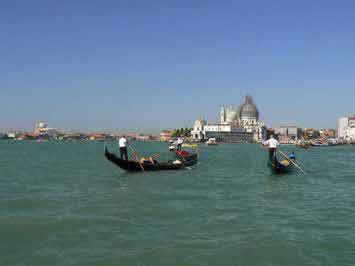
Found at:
(123, 152)
(272, 154)
(179, 147)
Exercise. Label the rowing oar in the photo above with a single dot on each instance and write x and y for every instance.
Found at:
(136, 155)
(155, 156)
(291, 161)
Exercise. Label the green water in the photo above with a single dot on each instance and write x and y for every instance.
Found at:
(61, 203)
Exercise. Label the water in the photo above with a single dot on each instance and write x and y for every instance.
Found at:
(62, 203)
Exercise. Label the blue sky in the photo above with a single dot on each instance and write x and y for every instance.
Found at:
(147, 65)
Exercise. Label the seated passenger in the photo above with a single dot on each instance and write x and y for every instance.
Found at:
(292, 156)
(147, 160)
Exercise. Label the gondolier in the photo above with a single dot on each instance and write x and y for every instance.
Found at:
(272, 144)
(179, 143)
(122, 143)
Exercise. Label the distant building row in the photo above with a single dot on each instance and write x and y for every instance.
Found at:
(294, 134)
(43, 132)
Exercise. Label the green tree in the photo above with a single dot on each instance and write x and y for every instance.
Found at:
(182, 132)
(176, 133)
(316, 134)
(187, 132)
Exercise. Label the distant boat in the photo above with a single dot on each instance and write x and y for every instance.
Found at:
(332, 142)
(304, 145)
(211, 142)
(319, 144)
(190, 145)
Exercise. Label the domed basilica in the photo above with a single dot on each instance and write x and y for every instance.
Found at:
(235, 125)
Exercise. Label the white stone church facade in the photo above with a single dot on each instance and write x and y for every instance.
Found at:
(235, 125)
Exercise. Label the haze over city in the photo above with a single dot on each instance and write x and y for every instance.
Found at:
(152, 65)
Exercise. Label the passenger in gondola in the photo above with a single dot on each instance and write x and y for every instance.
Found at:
(122, 143)
(292, 156)
(272, 144)
(148, 160)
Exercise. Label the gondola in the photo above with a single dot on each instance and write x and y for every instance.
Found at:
(134, 166)
(280, 167)
(182, 154)
(186, 156)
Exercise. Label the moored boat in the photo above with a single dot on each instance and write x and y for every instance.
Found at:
(319, 144)
(211, 142)
(134, 166)
(332, 142)
(305, 145)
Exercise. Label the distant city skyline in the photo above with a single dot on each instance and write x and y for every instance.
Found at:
(146, 66)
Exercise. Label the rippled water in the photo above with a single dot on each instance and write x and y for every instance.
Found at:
(61, 203)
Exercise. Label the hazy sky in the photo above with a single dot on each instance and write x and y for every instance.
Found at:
(145, 65)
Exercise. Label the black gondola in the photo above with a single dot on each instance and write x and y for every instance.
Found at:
(134, 166)
(280, 167)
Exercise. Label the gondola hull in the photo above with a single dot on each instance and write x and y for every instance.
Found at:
(133, 166)
(278, 168)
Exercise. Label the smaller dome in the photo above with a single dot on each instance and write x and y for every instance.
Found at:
(248, 109)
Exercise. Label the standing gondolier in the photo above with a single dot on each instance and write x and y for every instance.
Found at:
(122, 143)
(179, 142)
(272, 144)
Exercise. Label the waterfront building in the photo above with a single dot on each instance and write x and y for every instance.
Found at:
(310, 133)
(270, 131)
(227, 133)
(288, 134)
(346, 128)
(197, 132)
(327, 133)
(42, 130)
(235, 125)
(166, 135)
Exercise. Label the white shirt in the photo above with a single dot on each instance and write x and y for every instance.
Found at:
(122, 142)
(180, 141)
(272, 143)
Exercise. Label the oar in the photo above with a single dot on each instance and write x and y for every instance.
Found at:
(291, 161)
(155, 156)
(136, 155)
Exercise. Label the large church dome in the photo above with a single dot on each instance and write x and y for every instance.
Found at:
(248, 109)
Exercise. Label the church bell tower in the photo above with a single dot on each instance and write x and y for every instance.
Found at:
(222, 115)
